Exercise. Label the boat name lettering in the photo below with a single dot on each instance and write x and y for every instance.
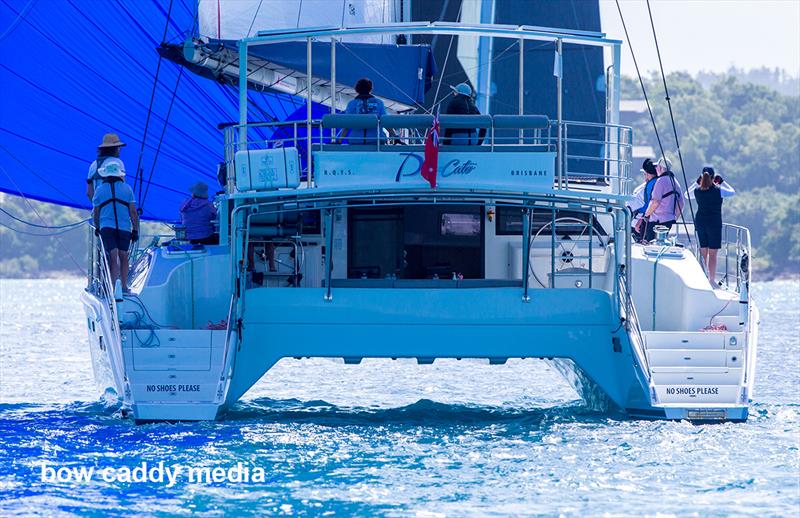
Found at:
(528, 172)
(173, 388)
(452, 168)
(455, 167)
(337, 172)
(693, 391)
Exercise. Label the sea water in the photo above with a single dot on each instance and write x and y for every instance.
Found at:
(384, 437)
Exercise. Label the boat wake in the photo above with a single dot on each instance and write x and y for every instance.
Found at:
(424, 412)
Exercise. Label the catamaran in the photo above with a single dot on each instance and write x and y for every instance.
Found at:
(523, 249)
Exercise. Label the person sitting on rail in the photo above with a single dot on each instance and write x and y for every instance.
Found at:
(198, 215)
(641, 195)
(709, 190)
(107, 157)
(115, 221)
(364, 103)
(666, 200)
(462, 104)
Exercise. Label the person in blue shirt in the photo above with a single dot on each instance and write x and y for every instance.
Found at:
(198, 214)
(364, 103)
(115, 221)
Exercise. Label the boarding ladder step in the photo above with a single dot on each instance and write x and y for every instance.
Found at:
(174, 366)
(695, 368)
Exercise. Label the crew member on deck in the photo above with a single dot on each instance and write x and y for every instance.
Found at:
(642, 194)
(115, 221)
(364, 103)
(666, 200)
(709, 190)
(198, 215)
(107, 158)
(462, 104)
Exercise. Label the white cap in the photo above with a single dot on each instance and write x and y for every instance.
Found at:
(112, 168)
(665, 162)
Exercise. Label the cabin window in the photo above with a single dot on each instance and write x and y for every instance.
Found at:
(416, 242)
(509, 221)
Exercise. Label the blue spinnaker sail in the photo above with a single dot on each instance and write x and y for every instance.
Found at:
(72, 71)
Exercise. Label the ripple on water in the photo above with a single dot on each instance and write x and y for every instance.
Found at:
(393, 438)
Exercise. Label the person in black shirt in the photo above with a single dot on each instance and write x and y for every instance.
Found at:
(709, 190)
(462, 104)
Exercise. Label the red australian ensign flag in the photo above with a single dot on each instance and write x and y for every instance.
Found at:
(431, 162)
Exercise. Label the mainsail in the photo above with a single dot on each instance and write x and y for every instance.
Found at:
(237, 19)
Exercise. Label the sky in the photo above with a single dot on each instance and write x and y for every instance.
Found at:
(711, 35)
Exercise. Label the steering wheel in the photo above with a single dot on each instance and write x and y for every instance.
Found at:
(565, 245)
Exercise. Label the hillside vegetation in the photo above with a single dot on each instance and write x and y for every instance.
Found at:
(750, 134)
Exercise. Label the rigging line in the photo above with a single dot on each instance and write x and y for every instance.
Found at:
(355, 55)
(76, 203)
(124, 51)
(446, 57)
(172, 22)
(189, 107)
(161, 139)
(499, 58)
(300, 10)
(85, 65)
(583, 51)
(90, 116)
(641, 81)
(47, 227)
(44, 234)
(254, 18)
(37, 175)
(20, 16)
(139, 174)
(33, 208)
(674, 128)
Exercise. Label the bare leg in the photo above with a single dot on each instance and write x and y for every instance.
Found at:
(113, 265)
(123, 269)
(712, 264)
(704, 258)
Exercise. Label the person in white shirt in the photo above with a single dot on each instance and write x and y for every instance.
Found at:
(107, 163)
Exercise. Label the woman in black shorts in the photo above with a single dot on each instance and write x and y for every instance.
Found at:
(709, 190)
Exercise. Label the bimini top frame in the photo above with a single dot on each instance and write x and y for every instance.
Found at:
(521, 33)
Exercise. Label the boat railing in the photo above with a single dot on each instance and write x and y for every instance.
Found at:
(597, 152)
(586, 258)
(595, 156)
(733, 258)
(99, 282)
(632, 326)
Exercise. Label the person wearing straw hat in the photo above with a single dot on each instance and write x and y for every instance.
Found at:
(115, 221)
(198, 215)
(462, 104)
(107, 158)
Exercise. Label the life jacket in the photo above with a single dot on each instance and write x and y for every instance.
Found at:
(367, 106)
(111, 181)
(674, 192)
